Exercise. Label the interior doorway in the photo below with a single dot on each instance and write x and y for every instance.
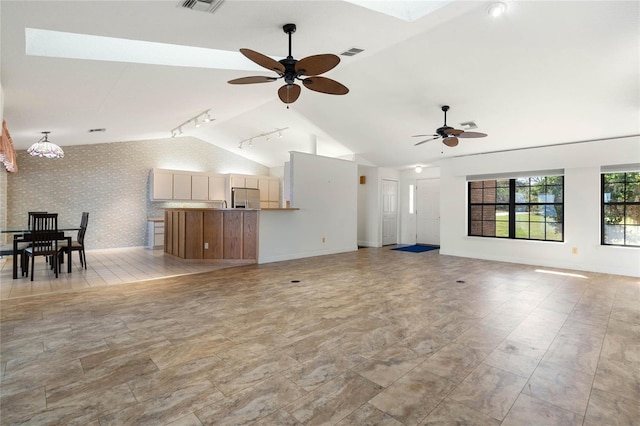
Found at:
(389, 212)
(428, 211)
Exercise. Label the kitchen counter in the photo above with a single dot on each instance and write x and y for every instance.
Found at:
(217, 235)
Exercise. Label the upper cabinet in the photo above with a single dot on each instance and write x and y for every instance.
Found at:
(161, 185)
(243, 181)
(199, 186)
(186, 186)
(181, 186)
(217, 187)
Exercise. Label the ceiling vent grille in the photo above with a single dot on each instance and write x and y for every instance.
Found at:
(352, 52)
(468, 125)
(209, 6)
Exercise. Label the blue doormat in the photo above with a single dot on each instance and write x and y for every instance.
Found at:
(417, 248)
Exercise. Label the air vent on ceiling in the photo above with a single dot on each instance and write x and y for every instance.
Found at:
(352, 52)
(468, 125)
(201, 5)
(97, 130)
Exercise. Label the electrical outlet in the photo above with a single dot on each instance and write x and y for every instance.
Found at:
(206, 246)
(574, 250)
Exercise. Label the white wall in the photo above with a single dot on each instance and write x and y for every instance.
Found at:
(582, 167)
(325, 190)
(369, 223)
(370, 204)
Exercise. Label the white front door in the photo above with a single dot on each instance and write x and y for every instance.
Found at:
(389, 212)
(428, 211)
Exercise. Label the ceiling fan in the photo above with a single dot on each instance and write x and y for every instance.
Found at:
(448, 134)
(291, 69)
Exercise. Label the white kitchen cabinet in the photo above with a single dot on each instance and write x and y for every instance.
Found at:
(181, 186)
(251, 182)
(161, 185)
(200, 187)
(217, 188)
(243, 181)
(269, 191)
(155, 234)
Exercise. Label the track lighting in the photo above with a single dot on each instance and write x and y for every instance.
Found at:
(262, 135)
(197, 121)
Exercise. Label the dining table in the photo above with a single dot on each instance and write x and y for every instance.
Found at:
(22, 236)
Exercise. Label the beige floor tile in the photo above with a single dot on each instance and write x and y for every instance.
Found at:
(334, 400)
(152, 352)
(617, 378)
(411, 398)
(368, 415)
(605, 408)
(528, 411)
(450, 412)
(562, 387)
(489, 390)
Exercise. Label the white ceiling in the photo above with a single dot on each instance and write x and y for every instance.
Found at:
(546, 73)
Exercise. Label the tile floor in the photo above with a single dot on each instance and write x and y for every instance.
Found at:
(104, 268)
(373, 337)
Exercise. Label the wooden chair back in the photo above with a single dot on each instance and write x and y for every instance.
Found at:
(44, 234)
(31, 214)
(83, 227)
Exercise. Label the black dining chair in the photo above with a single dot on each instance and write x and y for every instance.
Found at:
(7, 250)
(30, 214)
(78, 244)
(43, 240)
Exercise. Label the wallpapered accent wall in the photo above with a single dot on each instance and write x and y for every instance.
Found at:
(111, 182)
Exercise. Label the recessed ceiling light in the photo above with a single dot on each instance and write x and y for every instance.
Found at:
(497, 9)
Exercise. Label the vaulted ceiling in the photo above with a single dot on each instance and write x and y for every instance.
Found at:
(546, 72)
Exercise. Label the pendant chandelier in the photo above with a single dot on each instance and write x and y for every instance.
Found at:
(44, 148)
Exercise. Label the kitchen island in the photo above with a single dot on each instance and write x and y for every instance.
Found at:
(212, 235)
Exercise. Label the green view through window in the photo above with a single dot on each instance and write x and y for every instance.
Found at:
(529, 208)
(621, 209)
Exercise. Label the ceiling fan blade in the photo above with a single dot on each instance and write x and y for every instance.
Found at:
(426, 140)
(453, 132)
(263, 60)
(251, 80)
(472, 135)
(452, 141)
(316, 64)
(325, 85)
(289, 93)
(422, 136)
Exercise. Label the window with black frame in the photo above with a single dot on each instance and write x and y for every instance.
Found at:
(621, 209)
(529, 208)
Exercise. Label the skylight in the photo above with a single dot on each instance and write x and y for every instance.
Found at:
(407, 10)
(60, 44)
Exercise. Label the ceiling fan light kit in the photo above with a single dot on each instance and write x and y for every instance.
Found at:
(497, 9)
(306, 70)
(448, 134)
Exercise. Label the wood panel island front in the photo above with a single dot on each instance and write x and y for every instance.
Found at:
(212, 235)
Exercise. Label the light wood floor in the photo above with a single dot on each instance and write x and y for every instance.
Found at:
(373, 337)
